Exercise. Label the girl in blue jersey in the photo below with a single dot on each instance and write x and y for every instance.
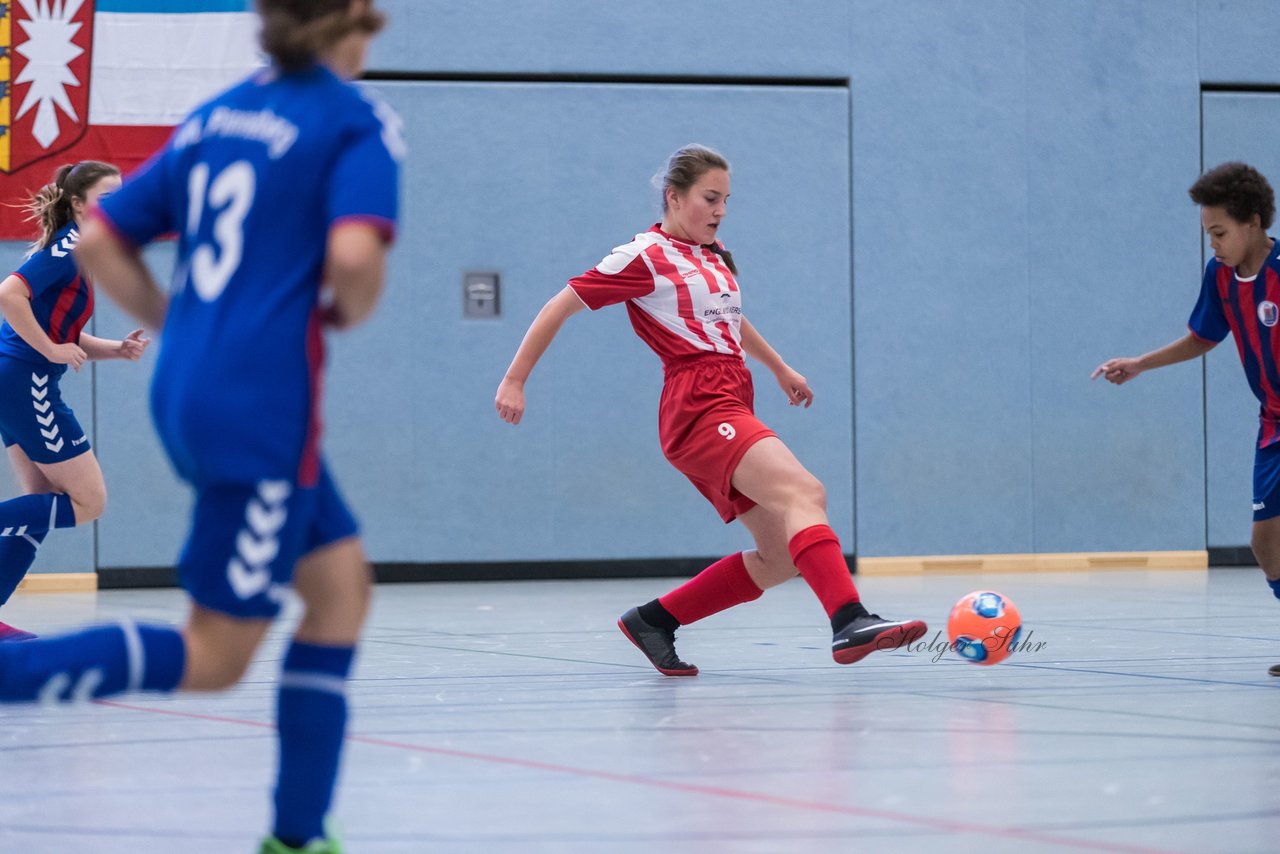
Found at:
(46, 304)
(283, 184)
(1239, 296)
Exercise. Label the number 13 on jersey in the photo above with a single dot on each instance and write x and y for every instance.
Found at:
(227, 198)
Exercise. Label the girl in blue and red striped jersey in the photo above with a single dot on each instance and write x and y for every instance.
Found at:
(46, 304)
(681, 291)
(1240, 296)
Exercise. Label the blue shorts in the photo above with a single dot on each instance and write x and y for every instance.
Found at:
(246, 539)
(33, 415)
(1266, 483)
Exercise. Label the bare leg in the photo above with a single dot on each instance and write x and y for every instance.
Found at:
(28, 474)
(219, 648)
(769, 564)
(80, 479)
(1266, 546)
(771, 476)
(335, 584)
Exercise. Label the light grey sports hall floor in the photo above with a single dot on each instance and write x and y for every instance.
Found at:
(497, 717)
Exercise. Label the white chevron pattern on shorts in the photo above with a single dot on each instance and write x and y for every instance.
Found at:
(49, 430)
(258, 542)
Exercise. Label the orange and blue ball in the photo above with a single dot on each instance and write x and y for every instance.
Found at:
(984, 627)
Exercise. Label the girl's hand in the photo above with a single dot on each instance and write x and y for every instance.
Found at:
(795, 386)
(1118, 371)
(134, 346)
(510, 400)
(67, 354)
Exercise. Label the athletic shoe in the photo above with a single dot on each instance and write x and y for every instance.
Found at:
(1275, 670)
(271, 845)
(9, 633)
(658, 645)
(865, 635)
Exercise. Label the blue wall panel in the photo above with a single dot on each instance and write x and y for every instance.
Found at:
(667, 37)
(1237, 41)
(539, 183)
(1018, 182)
(941, 328)
(1111, 268)
(148, 510)
(411, 432)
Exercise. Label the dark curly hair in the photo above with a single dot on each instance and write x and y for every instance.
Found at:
(1238, 188)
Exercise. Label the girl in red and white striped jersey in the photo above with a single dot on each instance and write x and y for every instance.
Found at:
(681, 291)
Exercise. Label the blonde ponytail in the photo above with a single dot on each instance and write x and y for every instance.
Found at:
(50, 209)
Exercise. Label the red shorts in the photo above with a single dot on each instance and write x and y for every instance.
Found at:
(706, 423)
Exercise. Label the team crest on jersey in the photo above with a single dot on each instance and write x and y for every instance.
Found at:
(1268, 313)
(45, 53)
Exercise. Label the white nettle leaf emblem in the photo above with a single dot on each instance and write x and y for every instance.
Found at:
(49, 50)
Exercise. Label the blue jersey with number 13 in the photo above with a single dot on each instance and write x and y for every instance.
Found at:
(251, 183)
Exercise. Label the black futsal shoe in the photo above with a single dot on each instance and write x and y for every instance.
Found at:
(865, 635)
(1274, 670)
(658, 645)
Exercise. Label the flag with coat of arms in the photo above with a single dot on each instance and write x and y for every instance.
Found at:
(106, 80)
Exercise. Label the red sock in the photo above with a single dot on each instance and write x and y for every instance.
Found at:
(722, 585)
(816, 553)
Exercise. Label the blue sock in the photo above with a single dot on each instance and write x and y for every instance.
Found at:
(1275, 587)
(16, 556)
(96, 662)
(311, 717)
(28, 514)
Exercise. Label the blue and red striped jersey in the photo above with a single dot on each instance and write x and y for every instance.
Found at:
(1249, 309)
(61, 298)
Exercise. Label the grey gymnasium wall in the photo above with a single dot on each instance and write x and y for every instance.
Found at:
(947, 213)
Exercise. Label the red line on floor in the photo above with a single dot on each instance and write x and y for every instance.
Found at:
(696, 788)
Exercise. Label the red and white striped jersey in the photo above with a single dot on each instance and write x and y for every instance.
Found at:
(681, 297)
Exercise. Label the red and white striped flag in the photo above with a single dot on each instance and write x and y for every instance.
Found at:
(107, 80)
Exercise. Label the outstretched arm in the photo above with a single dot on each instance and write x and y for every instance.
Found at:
(510, 399)
(793, 384)
(130, 348)
(1120, 371)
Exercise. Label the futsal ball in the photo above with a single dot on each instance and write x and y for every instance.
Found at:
(984, 627)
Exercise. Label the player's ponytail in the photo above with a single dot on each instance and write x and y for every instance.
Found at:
(725, 255)
(684, 168)
(296, 32)
(50, 206)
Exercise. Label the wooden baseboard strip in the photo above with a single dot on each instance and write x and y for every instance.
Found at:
(1068, 562)
(59, 582)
